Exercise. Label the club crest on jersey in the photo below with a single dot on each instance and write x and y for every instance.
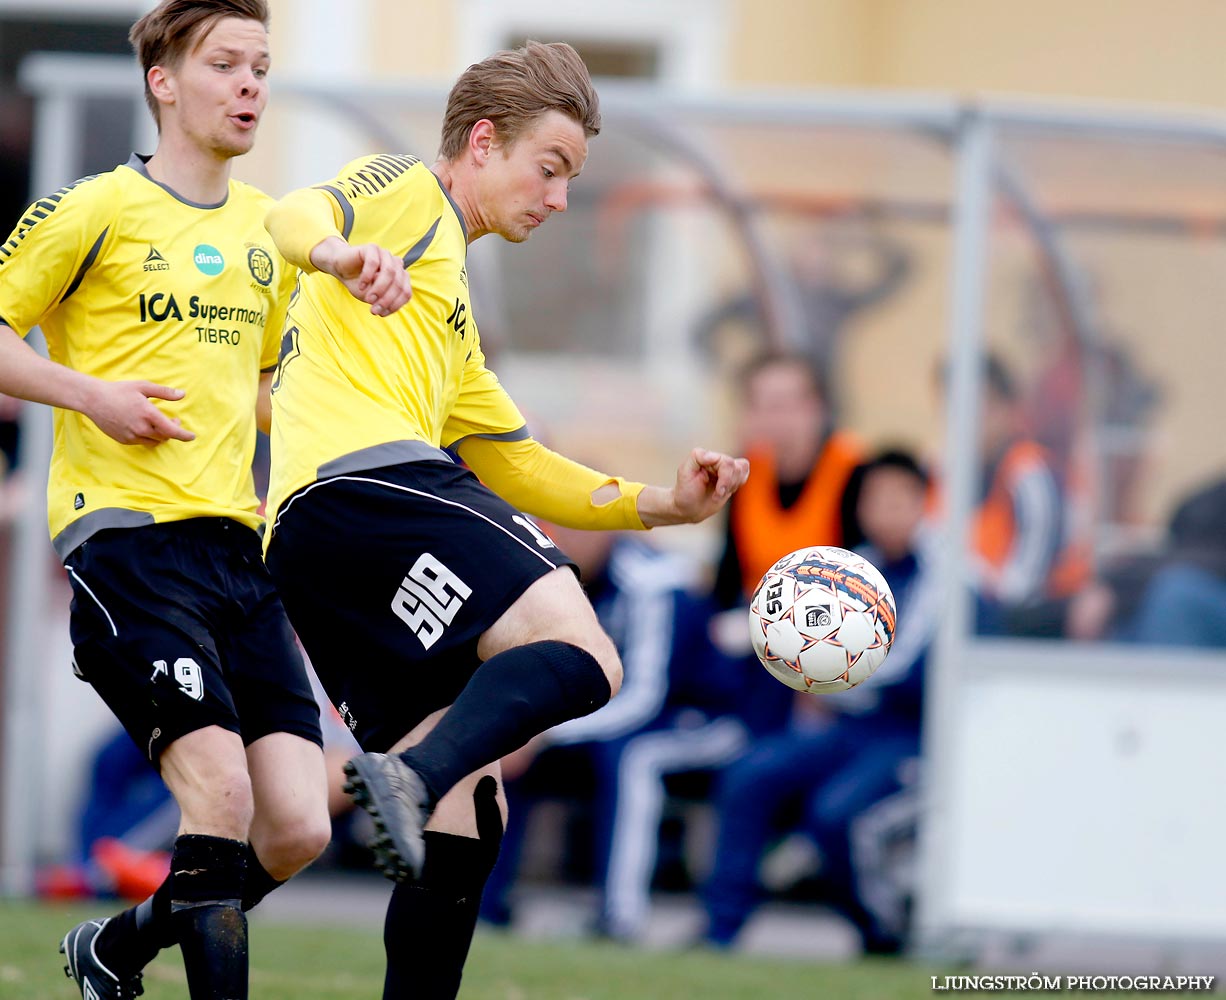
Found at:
(208, 260)
(259, 263)
(155, 261)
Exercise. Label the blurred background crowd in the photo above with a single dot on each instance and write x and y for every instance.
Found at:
(951, 275)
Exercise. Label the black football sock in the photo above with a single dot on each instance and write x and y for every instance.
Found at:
(134, 937)
(207, 875)
(257, 883)
(430, 922)
(509, 699)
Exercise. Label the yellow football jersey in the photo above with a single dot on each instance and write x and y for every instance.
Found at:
(129, 281)
(354, 392)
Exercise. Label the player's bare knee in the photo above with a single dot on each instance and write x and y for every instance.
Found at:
(292, 845)
(223, 808)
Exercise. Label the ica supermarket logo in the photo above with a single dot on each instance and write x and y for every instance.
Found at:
(208, 260)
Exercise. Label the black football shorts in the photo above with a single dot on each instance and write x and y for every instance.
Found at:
(177, 626)
(390, 577)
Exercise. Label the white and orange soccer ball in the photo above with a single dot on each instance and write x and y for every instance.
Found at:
(822, 619)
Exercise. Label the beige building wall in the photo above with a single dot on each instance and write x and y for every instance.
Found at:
(1115, 50)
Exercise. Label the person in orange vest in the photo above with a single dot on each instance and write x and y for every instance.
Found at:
(798, 497)
(1026, 566)
(801, 466)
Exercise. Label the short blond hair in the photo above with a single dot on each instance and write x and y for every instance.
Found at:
(174, 27)
(514, 88)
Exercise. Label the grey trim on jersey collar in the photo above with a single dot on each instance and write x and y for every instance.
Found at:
(138, 161)
(447, 194)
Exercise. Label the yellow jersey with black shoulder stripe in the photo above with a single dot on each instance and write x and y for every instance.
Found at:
(127, 280)
(354, 391)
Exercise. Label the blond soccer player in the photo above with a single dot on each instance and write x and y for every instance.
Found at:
(446, 626)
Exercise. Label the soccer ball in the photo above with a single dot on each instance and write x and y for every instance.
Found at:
(822, 619)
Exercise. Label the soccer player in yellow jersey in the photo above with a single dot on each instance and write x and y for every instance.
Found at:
(447, 628)
(161, 269)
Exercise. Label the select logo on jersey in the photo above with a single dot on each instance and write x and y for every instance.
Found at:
(428, 599)
(78, 501)
(208, 260)
(259, 262)
(155, 261)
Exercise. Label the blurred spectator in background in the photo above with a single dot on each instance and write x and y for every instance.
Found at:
(1027, 568)
(837, 269)
(797, 496)
(675, 714)
(801, 465)
(1174, 598)
(1184, 604)
(843, 753)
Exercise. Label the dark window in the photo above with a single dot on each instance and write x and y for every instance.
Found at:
(108, 122)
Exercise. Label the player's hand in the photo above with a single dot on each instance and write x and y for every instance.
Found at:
(372, 274)
(123, 411)
(706, 481)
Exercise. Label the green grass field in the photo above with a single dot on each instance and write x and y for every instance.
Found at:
(340, 963)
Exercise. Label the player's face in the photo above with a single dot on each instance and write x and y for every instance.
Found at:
(528, 181)
(221, 88)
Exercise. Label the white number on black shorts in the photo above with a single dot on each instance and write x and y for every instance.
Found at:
(428, 598)
(542, 540)
(187, 674)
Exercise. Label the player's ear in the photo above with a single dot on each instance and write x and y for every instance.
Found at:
(481, 140)
(161, 85)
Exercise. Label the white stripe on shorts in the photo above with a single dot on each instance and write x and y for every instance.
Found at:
(85, 586)
(420, 493)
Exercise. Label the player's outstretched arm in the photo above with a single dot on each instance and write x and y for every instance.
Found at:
(547, 485)
(120, 409)
(705, 482)
(372, 274)
(305, 227)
